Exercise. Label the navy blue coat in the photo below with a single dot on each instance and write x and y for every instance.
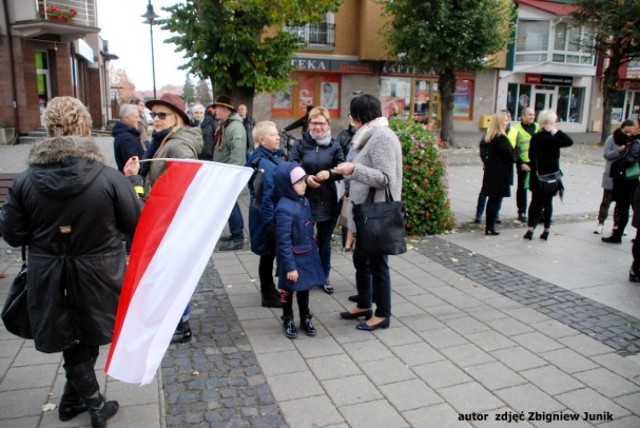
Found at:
(261, 216)
(315, 158)
(296, 248)
(126, 143)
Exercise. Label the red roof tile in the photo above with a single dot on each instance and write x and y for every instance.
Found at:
(559, 9)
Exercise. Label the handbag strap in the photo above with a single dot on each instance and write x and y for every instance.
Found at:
(24, 254)
(387, 191)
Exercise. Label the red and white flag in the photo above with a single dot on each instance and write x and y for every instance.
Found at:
(182, 219)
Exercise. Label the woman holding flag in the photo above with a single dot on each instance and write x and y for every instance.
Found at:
(70, 209)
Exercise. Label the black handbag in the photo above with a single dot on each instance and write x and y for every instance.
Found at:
(380, 225)
(15, 315)
(550, 183)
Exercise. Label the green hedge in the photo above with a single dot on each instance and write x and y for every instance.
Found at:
(424, 184)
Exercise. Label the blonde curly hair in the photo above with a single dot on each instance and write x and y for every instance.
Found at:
(67, 116)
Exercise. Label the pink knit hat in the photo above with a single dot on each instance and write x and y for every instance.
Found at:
(297, 174)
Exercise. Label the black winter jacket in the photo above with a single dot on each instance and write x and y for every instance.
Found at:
(126, 143)
(315, 158)
(69, 208)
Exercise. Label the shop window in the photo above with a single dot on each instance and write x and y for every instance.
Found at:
(626, 105)
(318, 34)
(570, 104)
(462, 100)
(617, 111)
(518, 98)
(395, 95)
(567, 46)
(532, 41)
(310, 89)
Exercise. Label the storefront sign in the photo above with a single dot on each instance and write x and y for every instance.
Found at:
(548, 79)
(334, 66)
(628, 84)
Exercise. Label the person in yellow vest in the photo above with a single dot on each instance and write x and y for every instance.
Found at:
(512, 134)
(525, 130)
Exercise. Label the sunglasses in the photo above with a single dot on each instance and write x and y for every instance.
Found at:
(161, 115)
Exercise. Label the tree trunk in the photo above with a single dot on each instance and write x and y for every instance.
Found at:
(610, 78)
(447, 86)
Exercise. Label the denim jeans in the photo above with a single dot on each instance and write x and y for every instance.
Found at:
(236, 223)
(324, 229)
(373, 282)
(482, 202)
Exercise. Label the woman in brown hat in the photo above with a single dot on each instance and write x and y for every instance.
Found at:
(172, 138)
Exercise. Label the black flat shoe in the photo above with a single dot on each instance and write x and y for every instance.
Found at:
(544, 235)
(491, 232)
(327, 288)
(528, 235)
(612, 240)
(182, 333)
(382, 324)
(346, 315)
(353, 298)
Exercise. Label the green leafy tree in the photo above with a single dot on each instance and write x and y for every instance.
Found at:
(615, 34)
(203, 93)
(424, 183)
(188, 91)
(237, 44)
(447, 36)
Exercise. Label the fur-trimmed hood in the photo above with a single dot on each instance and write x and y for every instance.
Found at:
(62, 149)
(61, 167)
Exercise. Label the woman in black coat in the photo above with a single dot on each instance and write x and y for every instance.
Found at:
(318, 153)
(498, 171)
(544, 156)
(69, 208)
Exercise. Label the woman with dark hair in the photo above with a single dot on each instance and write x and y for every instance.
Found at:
(544, 156)
(377, 164)
(69, 208)
(318, 152)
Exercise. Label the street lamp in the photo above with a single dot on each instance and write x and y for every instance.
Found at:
(150, 16)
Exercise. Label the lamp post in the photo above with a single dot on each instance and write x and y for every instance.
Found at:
(150, 16)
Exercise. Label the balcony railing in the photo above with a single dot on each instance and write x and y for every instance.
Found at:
(322, 34)
(80, 12)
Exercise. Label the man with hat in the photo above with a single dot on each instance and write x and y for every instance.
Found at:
(230, 147)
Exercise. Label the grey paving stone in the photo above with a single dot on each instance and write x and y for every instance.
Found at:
(416, 354)
(29, 377)
(28, 356)
(441, 374)
(568, 360)
(466, 325)
(277, 363)
(370, 350)
(442, 338)
(620, 365)
(351, 390)
(373, 414)
(292, 386)
(10, 345)
(495, 375)
(551, 380)
(422, 322)
(400, 335)
(468, 355)
(438, 416)
(131, 395)
(318, 346)
(588, 400)
(554, 329)
(518, 358)
(537, 342)
(509, 326)
(625, 422)
(527, 315)
(445, 312)
(630, 402)
(310, 412)
(490, 340)
(470, 397)
(386, 371)
(485, 313)
(528, 398)
(269, 343)
(410, 394)
(333, 366)
(607, 383)
(21, 403)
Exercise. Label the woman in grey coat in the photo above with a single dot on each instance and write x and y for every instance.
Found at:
(377, 162)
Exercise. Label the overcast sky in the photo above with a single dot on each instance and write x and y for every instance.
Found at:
(122, 25)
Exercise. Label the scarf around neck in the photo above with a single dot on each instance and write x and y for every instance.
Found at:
(322, 141)
(364, 133)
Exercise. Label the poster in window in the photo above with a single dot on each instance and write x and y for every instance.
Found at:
(306, 92)
(281, 104)
(462, 99)
(329, 95)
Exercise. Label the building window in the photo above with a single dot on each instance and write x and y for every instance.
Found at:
(518, 98)
(318, 34)
(570, 101)
(309, 90)
(626, 105)
(567, 46)
(532, 41)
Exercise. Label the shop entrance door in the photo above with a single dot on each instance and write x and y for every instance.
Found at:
(544, 98)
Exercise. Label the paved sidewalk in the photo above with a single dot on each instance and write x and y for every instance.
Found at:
(483, 327)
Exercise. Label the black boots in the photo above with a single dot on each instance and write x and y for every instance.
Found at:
(306, 326)
(182, 333)
(83, 379)
(71, 404)
(270, 296)
(289, 327)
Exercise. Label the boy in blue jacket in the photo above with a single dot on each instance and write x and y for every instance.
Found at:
(299, 266)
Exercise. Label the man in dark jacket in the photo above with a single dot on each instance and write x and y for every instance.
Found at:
(249, 123)
(208, 127)
(126, 142)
